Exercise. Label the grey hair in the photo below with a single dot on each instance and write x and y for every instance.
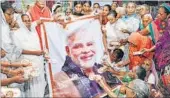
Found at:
(141, 88)
(147, 7)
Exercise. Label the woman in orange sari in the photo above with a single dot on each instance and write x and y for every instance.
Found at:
(136, 43)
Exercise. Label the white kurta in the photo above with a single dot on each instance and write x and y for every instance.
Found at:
(29, 40)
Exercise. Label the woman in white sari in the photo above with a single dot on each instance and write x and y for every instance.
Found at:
(113, 29)
(6, 13)
(26, 38)
(113, 33)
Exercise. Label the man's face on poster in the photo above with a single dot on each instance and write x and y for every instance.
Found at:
(82, 49)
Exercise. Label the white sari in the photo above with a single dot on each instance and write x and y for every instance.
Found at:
(28, 40)
(114, 33)
(13, 52)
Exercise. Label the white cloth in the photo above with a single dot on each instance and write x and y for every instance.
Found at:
(12, 51)
(113, 31)
(151, 79)
(132, 23)
(28, 40)
(16, 16)
(56, 43)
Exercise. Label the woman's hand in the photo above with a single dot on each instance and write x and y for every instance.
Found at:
(132, 75)
(26, 64)
(18, 79)
(145, 50)
(38, 53)
(17, 72)
(123, 89)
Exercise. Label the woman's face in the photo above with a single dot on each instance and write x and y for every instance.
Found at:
(78, 8)
(114, 6)
(86, 7)
(146, 20)
(142, 10)
(96, 6)
(9, 15)
(161, 14)
(130, 8)
(68, 12)
(111, 19)
(58, 10)
(105, 11)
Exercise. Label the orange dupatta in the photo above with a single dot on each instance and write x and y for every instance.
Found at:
(137, 43)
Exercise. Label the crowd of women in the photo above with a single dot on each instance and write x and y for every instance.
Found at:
(137, 44)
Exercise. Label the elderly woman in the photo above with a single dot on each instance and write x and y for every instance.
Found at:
(136, 88)
(7, 18)
(13, 52)
(161, 48)
(163, 41)
(131, 19)
(157, 27)
(36, 87)
(136, 43)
